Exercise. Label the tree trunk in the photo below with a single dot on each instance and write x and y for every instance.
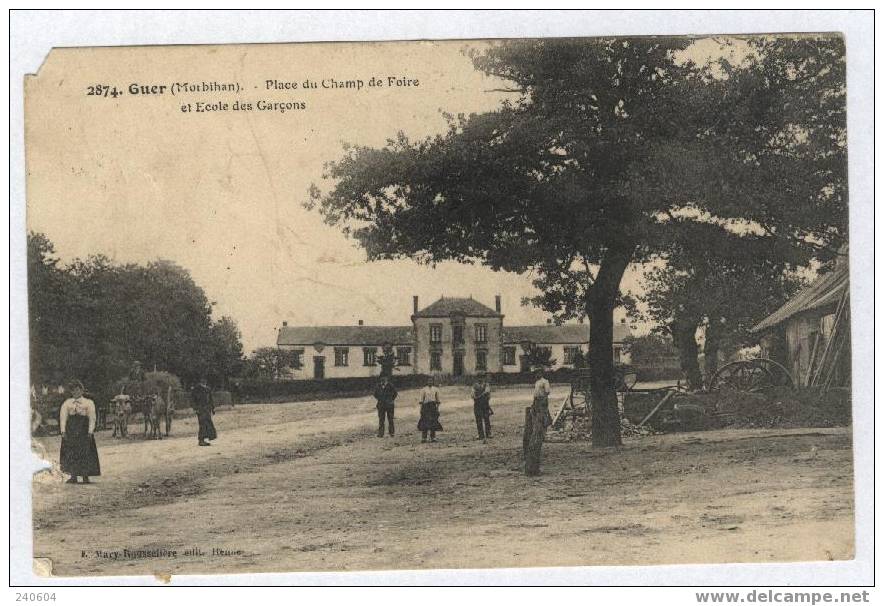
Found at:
(684, 336)
(532, 439)
(710, 350)
(602, 299)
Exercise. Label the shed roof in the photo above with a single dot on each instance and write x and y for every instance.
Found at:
(826, 290)
(446, 306)
(345, 335)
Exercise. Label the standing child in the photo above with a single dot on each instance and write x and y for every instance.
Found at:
(429, 403)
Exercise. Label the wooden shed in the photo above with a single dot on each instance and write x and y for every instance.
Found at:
(810, 333)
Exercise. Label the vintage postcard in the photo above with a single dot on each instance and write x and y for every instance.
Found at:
(440, 305)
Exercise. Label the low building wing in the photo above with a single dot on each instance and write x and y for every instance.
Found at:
(552, 334)
(345, 335)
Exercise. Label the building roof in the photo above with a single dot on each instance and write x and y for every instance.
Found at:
(446, 306)
(552, 334)
(826, 290)
(345, 335)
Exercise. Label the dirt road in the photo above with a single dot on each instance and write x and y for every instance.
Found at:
(308, 486)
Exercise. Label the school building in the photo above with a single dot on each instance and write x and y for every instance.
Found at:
(452, 336)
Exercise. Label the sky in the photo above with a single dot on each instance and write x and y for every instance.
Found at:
(221, 193)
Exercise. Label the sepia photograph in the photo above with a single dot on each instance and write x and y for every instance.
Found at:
(440, 304)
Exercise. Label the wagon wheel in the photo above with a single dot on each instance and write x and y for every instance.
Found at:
(781, 376)
(743, 375)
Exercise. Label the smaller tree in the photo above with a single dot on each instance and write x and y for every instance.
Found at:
(387, 361)
(581, 360)
(226, 359)
(537, 356)
(654, 356)
(269, 362)
(725, 290)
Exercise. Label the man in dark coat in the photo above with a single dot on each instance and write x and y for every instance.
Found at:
(135, 385)
(204, 407)
(136, 373)
(482, 407)
(385, 394)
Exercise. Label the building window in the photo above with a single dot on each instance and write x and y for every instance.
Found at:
(369, 356)
(435, 333)
(481, 360)
(616, 354)
(481, 333)
(342, 356)
(571, 353)
(403, 356)
(435, 360)
(457, 333)
(509, 356)
(297, 359)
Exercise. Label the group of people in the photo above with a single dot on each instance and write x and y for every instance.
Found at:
(429, 401)
(77, 417)
(76, 423)
(428, 423)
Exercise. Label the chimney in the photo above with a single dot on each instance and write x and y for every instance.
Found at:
(415, 303)
(497, 303)
(360, 322)
(284, 323)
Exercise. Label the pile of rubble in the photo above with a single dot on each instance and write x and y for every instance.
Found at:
(629, 429)
(783, 408)
(777, 407)
(579, 428)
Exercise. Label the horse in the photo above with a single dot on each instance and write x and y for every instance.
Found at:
(155, 408)
(170, 410)
(122, 409)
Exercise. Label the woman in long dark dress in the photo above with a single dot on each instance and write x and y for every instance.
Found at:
(429, 420)
(76, 421)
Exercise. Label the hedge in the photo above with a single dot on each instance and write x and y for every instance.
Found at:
(262, 390)
(657, 373)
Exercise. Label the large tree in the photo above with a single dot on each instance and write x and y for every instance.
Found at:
(50, 294)
(92, 318)
(606, 149)
(725, 290)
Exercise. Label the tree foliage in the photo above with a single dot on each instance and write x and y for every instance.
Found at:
(270, 362)
(92, 318)
(648, 349)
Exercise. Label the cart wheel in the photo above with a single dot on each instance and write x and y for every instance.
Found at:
(750, 376)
